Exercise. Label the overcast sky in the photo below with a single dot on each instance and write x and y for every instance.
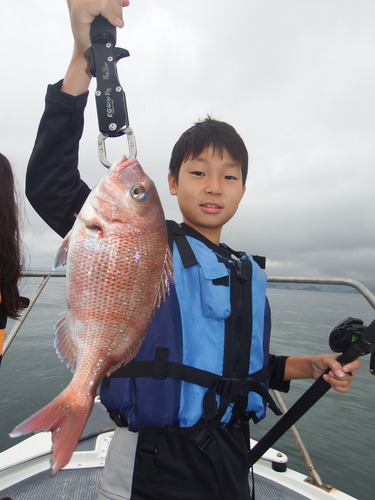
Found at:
(296, 78)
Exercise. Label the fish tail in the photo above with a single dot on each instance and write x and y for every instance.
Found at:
(65, 419)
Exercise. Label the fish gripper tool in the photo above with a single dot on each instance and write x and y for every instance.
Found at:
(109, 95)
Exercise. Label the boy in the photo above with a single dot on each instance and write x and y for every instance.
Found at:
(183, 405)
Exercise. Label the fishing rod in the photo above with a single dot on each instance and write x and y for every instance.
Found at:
(109, 95)
(356, 340)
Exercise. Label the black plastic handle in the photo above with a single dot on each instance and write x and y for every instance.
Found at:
(102, 31)
(110, 96)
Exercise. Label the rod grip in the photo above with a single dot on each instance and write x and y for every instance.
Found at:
(102, 31)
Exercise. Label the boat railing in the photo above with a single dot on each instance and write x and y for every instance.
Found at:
(370, 297)
(45, 277)
(362, 289)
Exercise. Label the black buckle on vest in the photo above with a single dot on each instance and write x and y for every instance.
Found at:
(241, 387)
(230, 388)
(205, 443)
(238, 268)
(148, 452)
(203, 438)
(234, 386)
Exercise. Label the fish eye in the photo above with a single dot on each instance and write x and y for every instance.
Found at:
(94, 231)
(138, 192)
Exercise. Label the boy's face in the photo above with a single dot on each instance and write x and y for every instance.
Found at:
(209, 190)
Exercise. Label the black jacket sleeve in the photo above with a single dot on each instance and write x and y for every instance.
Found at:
(276, 366)
(53, 184)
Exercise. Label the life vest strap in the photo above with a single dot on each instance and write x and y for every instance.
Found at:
(227, 388)
(177, 234)
(160, 369)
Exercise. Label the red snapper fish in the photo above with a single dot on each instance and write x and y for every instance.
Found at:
(119, 268)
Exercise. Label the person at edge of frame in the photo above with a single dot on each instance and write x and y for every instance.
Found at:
(11, 303)
(165, 446)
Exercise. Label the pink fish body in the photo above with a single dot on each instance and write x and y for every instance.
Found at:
(119, 268)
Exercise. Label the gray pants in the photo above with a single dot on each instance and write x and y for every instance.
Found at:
(206, 462)
(117, 476)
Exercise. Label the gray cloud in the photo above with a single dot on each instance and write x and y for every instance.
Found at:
(295, 78)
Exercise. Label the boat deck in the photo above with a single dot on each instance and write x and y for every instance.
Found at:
(25, 469)
(83, 484)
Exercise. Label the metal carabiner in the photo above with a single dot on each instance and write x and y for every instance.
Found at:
(102, 149)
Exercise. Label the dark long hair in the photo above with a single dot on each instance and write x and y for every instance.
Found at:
(10, 246)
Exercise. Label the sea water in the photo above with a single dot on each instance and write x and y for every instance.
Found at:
(338, 431)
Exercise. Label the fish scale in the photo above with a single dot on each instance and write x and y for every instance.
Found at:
(119, 268)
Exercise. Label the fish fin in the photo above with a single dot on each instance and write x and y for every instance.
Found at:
(62, 252)
(66, 417)
(64, 344)
(166, 279)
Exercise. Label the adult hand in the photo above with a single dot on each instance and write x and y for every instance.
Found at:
(82, 14)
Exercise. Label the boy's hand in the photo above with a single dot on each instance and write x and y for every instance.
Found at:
(82, 14)
(339, 376)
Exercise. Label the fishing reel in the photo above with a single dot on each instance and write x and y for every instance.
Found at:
(348, 332)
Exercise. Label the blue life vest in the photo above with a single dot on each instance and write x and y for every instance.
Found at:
(205, 355)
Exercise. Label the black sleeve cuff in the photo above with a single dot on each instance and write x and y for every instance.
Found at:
(277, 369)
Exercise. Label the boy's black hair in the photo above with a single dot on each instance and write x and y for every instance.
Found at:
(209, 132)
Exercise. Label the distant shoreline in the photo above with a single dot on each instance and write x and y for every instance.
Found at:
(319, 288)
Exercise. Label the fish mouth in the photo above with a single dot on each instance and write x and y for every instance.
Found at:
(130, 167)
(130, 173)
